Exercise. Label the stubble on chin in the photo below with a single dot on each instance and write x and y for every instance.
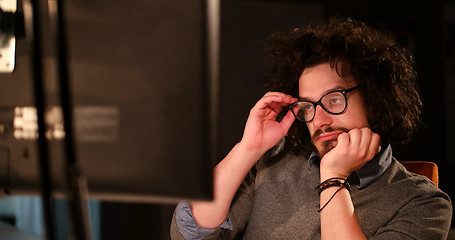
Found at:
(326, 147)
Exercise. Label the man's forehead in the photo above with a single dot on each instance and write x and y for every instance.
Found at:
(315, 95)
(320, 80)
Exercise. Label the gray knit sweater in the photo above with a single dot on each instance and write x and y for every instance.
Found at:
(278, 201)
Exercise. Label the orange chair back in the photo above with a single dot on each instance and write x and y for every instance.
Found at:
(428, 169)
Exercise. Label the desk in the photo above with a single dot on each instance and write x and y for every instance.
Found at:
(8, 232)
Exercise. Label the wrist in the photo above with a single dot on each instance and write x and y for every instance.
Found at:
(332, 182)
(337, 183)
(325, 174)
(248, 150)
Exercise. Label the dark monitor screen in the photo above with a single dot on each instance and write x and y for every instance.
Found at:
(142, 102)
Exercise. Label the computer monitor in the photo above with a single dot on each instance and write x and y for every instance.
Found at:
(143, 84)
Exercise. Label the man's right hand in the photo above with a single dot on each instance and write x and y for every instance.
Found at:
(262, 131)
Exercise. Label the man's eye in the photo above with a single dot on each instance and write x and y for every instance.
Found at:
(335, 100)
(307, 107)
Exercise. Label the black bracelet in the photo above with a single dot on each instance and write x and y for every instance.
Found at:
(332, 182)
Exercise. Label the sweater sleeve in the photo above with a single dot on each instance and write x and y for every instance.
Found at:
(188, 227)
(183, 225)
(426, 216)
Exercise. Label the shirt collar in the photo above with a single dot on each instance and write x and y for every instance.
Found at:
(371, 171)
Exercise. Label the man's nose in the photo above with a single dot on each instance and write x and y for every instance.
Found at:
(321, 117)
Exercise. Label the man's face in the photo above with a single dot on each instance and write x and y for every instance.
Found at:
(325, 127)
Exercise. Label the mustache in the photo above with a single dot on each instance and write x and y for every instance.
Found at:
(326, 130)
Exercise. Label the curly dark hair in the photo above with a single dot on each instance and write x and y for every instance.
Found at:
(383, 69)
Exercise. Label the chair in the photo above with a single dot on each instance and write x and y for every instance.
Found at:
(427, 169)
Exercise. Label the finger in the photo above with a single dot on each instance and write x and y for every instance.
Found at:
(274, 102)
(365, 142)
(287, 120)
(276, 93)
(281, 95)
(354, 138)
(375, 146)
(343, 141)
(274, 99)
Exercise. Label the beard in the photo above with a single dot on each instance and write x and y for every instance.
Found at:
(326, 145)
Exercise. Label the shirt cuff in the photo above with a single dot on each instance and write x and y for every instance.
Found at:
(188, 226)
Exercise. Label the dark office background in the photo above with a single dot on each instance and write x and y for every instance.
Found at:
(426, 28)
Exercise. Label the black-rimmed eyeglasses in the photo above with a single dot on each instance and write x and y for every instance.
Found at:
(334, 102)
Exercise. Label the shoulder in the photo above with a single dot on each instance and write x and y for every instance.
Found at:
(397, 173)
(398, 186)
(417, 186)
(406, 198)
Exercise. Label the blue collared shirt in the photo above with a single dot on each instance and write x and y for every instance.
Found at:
(188, 226)
(371, 171)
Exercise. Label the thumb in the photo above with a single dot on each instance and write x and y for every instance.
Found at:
(287, 120)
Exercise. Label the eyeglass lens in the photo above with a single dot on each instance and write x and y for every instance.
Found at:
(334, 103)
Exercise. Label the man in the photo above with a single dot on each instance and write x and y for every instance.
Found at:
(352, 90)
